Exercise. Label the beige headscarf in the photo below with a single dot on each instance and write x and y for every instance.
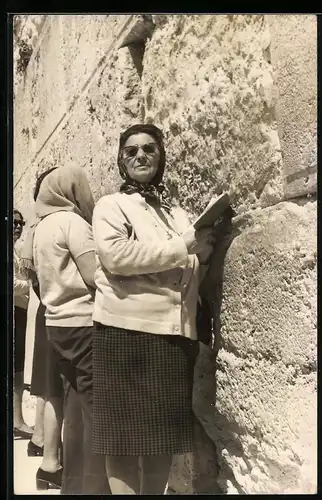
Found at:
(64, 189)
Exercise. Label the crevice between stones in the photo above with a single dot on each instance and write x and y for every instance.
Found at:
(136, 39)
(302, 200)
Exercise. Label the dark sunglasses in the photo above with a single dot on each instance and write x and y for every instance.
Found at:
(19, 223)
(148, 149)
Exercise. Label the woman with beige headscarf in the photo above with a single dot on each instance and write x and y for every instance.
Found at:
(64, 261)
(49, 411)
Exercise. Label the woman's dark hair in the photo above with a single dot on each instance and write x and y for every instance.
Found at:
(39, 180)
(18, 213)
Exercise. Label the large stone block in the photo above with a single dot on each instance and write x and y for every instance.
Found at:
(207, 81)
(87, 133)
(264, 424)
(90, 135)
(294, 59)
(65, 63)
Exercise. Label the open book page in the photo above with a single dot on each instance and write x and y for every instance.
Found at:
(216, 207)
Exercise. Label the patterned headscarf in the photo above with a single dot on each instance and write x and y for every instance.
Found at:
(152, 190)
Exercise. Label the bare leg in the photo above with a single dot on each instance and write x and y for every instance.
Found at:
(123, 475)
(155, 472)
(19, 422)
(18, 391)
(53, 419)
(38, 435)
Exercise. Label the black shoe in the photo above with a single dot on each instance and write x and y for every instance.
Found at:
(35, 451)
(45, 480)
(22, 434)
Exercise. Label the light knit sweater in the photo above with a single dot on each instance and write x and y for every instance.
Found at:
(60, 238)
(145, 280)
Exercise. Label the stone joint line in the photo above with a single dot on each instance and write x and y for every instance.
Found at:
(312, 169)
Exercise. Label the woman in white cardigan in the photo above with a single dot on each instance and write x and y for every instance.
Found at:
(145, 343)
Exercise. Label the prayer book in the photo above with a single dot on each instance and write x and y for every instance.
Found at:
(213, 211)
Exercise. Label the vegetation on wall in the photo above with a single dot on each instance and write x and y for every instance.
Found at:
(23, 47)
(25, 52)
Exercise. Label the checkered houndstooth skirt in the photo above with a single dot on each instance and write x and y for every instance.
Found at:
(142, 392)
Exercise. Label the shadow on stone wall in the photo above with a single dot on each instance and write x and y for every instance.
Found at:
(198, 472)
(211, 288)
(211, 292)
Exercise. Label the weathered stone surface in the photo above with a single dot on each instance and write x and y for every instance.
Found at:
(208, 83)
(197, 472)
(70, 51)
(56, 122)
(294, 58)
(211, 83)
(264, 424)
(27, 31)
(55, 76)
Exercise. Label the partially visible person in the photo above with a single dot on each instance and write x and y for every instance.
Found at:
(48, 424)
(21, 300)
(49, 408)
(64, 260)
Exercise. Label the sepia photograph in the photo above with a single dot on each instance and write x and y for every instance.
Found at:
(164, 260)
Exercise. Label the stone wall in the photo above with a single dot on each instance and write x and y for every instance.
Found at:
(81, 90)
(236, 98)
(294, 58)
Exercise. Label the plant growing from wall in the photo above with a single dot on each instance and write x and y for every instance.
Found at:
(25, 52)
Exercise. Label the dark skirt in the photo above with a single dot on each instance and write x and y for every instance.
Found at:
(142, 401)
(46, 380)
(20, 325)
